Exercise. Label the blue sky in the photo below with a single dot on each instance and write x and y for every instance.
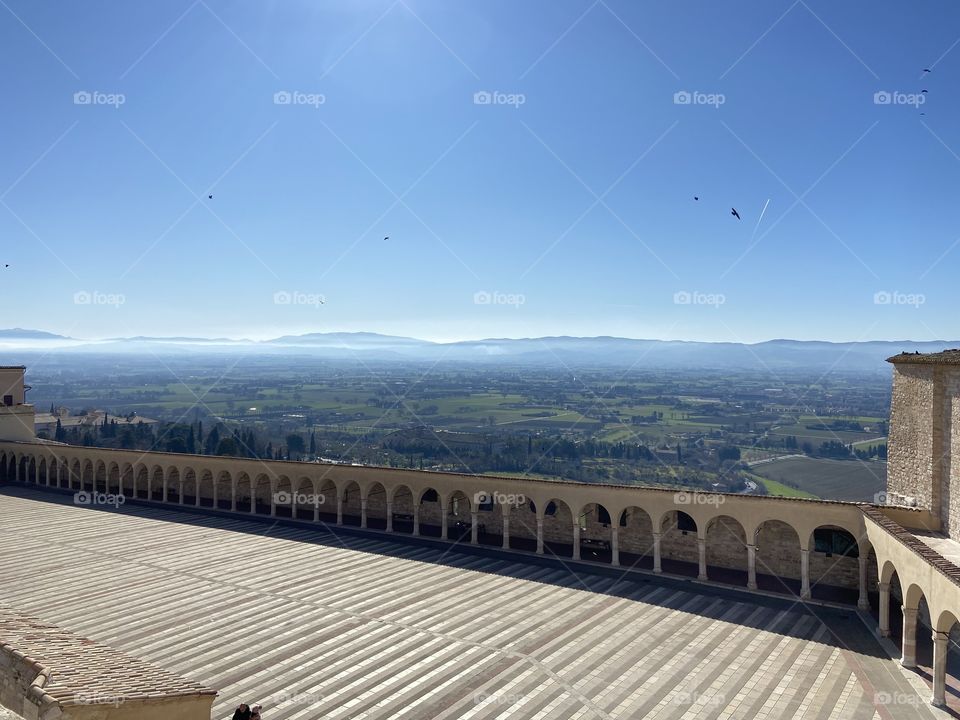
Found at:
(567, 199)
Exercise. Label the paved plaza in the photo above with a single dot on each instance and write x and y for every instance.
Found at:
(323, 624)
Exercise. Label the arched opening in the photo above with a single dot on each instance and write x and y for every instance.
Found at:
(523, 525)
(100, 477)
(76, 476)
(834, 565)
(351, 505)
(948, 627)
(679, 552)
(143, 482)
(42, 478)
(635, 536)
(224, 491)
(189, 487)
(726, 550)
(431, 513)
(305, 499)
(206, 489)
(33, 477)
(53, 471)
(596, 536)
(284, 502)
(778, 557)
(113, 479)
(127, 486)
(262, 495)
(174, 488)
(916, 643)
(327, 500)
(458, 517)
(88, 475)
(403, 510)
(23, 471)
(244, 493)
(557, 529)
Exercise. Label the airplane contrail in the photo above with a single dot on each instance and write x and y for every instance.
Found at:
(761, 218)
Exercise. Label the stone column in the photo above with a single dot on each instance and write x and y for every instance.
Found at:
(702, 558)
(474, 530)
(576, 540)
(164, 487)
(539, 535)
(883, 630)
(614, 545)
(656, 553)
(416, 519)
(506, 528)
(909, 642)
(180, 493)
(863, 602)
(940, 644)
(316, 510)
(390, 516)
(751, 567)
(363, 512)
(233, 498)
(196, 498)
(273, 501)
(339, 510)
(804, 574)
(444, 525)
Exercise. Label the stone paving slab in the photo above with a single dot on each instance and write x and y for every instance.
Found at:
(318, 625)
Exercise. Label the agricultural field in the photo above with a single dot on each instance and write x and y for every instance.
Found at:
(853, 480)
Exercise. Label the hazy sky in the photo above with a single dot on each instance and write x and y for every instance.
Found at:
(565, 193)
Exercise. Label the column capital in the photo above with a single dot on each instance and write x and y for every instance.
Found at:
(883, 586)
(941, 638)
(909, 612)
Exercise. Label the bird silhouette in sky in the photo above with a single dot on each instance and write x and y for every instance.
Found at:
(695, 197)
(387, 237)
(926, 70)
(733, 211)
(923, 91)
(209, 197)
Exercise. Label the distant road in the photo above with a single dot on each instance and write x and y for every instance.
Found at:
(754, 463)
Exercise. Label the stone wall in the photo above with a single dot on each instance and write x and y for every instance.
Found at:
(913, 427)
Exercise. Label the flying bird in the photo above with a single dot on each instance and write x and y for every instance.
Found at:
(695, 197)
(923, 91)
(926, 69)
(209, 197)
(733, 211)
(387, 237)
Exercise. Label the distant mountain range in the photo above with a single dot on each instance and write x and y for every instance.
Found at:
(772, 355)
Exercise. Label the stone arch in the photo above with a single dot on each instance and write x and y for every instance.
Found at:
(778, 556)
(244, 493)
(430, 509)
(679, 549)
(402, 509)
(834, 563)
(173, 486)
(327, 511)
(87, 475)
(128, 487)
(32, 476)
(100, 476)
(351, 497)
(224, 492)
(189, 491)
(206, 489)
(113, 478)
(42, 477)
(557, 528)
(283, 503)
(522, 525)
(726, 550)
(305, 498)
(75, 478)
(262, 495)
(596, 533)
(142, 481)
(459, 519)
(635, 534)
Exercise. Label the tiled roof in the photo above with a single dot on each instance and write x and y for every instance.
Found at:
(929, 555)
(947, 357)
(83, 671)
